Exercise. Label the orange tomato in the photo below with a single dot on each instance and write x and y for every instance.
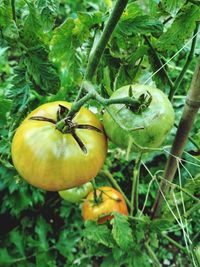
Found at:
(110, 200)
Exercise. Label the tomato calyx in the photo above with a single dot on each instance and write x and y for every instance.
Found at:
(65, 125)
(98, 198)
(143, 101)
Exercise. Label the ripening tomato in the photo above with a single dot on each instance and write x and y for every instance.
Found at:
(108, 200)
(154, 121)
(76, 194)
(54, 159)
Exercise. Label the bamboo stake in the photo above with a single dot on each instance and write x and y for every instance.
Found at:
(189, 113)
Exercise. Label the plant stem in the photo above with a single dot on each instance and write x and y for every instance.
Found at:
(95, 191)
(97, 51)
(191, 140)
(13, 9)
(180, 188)
(116, 185)
(174, 242)
(159, 62)
(152, 255)
(74, 109)
(189, 113)
(186, 65)
(135, 183)
(137, 219)
(192, 209)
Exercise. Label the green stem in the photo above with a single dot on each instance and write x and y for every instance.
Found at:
(180, 188)
(13, 9)
(74, 109)
(116, 185)
(174, 242)
(152, 255)
(159, 62)
(186, 65)
(94, 192)
(135, 183)
(97, 51)
(137, 219)
(192, 209)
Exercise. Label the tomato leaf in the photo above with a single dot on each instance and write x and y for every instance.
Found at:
(97, 233)
(120, 227)
(172, 6)
(42, 229)
(18, 240)
(135, 21)
(8, 25)
(175, 37)
(42, 70)
(48, 10)
(5, 258)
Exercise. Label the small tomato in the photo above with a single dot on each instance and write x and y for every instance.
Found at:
(108, 200)
(76, 194)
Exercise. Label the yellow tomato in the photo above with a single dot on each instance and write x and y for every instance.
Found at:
(52, 160)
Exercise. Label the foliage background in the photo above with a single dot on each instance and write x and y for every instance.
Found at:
(44, 47)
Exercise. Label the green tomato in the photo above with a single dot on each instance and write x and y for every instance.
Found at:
(76, 194)
(157, 119)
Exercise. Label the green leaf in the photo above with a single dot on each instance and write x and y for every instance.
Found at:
(98, 233)
(137, 258)
(197, 254)
(175, 36)
(5, 105)
(7, 23)
(32, 30)
(141, 24)
(20, 91)
(110, 261)
(160, 225)
(121, 231)
(67, 41)
(5, 257)
(62, 43)
(48, 11)
(172, 6)
(135, 21)
(42, 70)
(18, 240)
(42, 229)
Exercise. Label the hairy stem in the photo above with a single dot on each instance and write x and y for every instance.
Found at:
(186, 65)
(152, 255)
(97, 51)
(174, 242)
(188, 116)
(135, 183)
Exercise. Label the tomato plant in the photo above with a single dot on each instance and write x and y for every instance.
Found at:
(76, 194)
(54, 159)
(107, 200)
(153, 121)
